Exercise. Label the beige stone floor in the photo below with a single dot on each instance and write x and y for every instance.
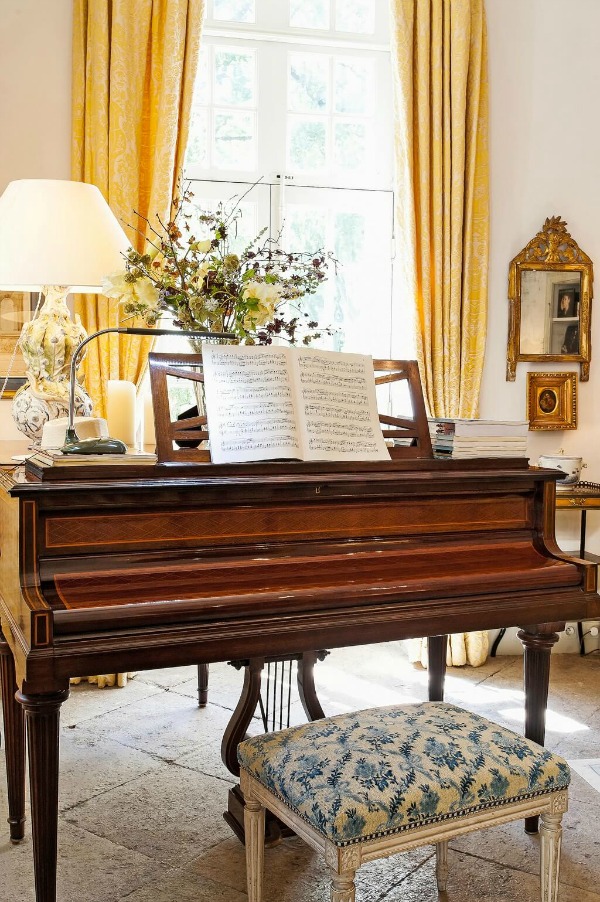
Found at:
(143, 789)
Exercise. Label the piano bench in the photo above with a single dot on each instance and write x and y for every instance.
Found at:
(366, 785)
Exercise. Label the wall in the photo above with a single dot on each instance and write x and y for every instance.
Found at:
(35, 102)
(544, 134)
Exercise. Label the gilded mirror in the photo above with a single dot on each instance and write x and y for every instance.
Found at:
(550, 296)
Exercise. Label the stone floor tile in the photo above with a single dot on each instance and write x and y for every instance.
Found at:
(86, 701)
(166, 724)
(90, 869)
(171, 816)
(92, 764)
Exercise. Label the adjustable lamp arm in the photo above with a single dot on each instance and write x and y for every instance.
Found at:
(72, 441)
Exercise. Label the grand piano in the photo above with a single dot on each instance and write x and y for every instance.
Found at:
(107, 568)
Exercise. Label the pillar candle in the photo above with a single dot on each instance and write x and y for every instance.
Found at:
(120, 410)
(149, 434)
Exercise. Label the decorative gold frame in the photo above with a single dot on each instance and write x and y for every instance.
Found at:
(552, 250)
(552, 400)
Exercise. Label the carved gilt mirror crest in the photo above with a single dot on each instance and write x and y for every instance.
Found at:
(550, 296)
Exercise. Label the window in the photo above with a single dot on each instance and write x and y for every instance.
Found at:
(294, 97)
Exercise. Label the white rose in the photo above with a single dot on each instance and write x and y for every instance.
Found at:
(115, 286)
(267, 296)
(142, 291)
(202, 247)
(146, 292)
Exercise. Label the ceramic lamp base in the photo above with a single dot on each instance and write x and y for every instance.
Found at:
(31, 413)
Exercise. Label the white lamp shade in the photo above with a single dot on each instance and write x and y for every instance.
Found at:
(56, 232)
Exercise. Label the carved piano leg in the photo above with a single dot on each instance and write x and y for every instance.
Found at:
(537, 642)
(273, 718)
(436, 667)
(234, 733)
(202, 685)
(241, 717)
(42, 714)
(14, 737)
(306, 683)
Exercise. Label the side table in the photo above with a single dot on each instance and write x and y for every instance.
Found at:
(582, 496)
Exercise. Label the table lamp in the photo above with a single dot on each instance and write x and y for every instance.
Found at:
(55, 237)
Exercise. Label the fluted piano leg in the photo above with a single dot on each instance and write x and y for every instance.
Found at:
(537, 642)
(14, 737)
(42, 715)
(203, 671)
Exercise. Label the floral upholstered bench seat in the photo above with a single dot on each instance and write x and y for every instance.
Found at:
(372, 783)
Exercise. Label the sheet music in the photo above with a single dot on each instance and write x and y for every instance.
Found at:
(337, 403)
(283, 402)
(249, 403)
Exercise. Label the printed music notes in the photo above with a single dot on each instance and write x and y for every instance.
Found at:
(285, 402)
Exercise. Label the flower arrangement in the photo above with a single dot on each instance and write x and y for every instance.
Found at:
(190, 270)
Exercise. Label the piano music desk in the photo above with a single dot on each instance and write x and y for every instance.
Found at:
(116, 567)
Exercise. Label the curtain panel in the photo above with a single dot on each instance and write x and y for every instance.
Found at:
(439, 59)
(134, 65)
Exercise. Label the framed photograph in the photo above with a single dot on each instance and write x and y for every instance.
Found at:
(16, 308)
(552, 400)
(566, 300)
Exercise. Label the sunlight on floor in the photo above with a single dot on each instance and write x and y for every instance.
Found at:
(557, 723)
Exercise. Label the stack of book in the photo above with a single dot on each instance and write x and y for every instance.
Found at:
(478, 438)
(50, 464)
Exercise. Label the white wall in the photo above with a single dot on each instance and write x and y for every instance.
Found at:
(544, 138)
(35, 102)
(544, 135)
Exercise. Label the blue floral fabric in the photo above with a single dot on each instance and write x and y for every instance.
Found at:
(385, 770)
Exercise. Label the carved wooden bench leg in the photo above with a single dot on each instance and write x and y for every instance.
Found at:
(550, 840)
(254, 828)
(441, 865)
(342, 887)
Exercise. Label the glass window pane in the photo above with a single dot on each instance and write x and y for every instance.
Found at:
(349, 236)
(307, 143)
(308, 82)
(352, 85)
(234, 140)
(202, 83)
(197, 146)
(309, 14)
(234, 10)
(305, 230)
(357, 16)
(234, 77)
(350, 140)
(356, 226)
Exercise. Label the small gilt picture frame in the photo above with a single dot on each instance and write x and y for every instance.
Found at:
(552, 400)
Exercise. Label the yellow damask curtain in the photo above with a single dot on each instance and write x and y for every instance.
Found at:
(134, 65)
(439, 56)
